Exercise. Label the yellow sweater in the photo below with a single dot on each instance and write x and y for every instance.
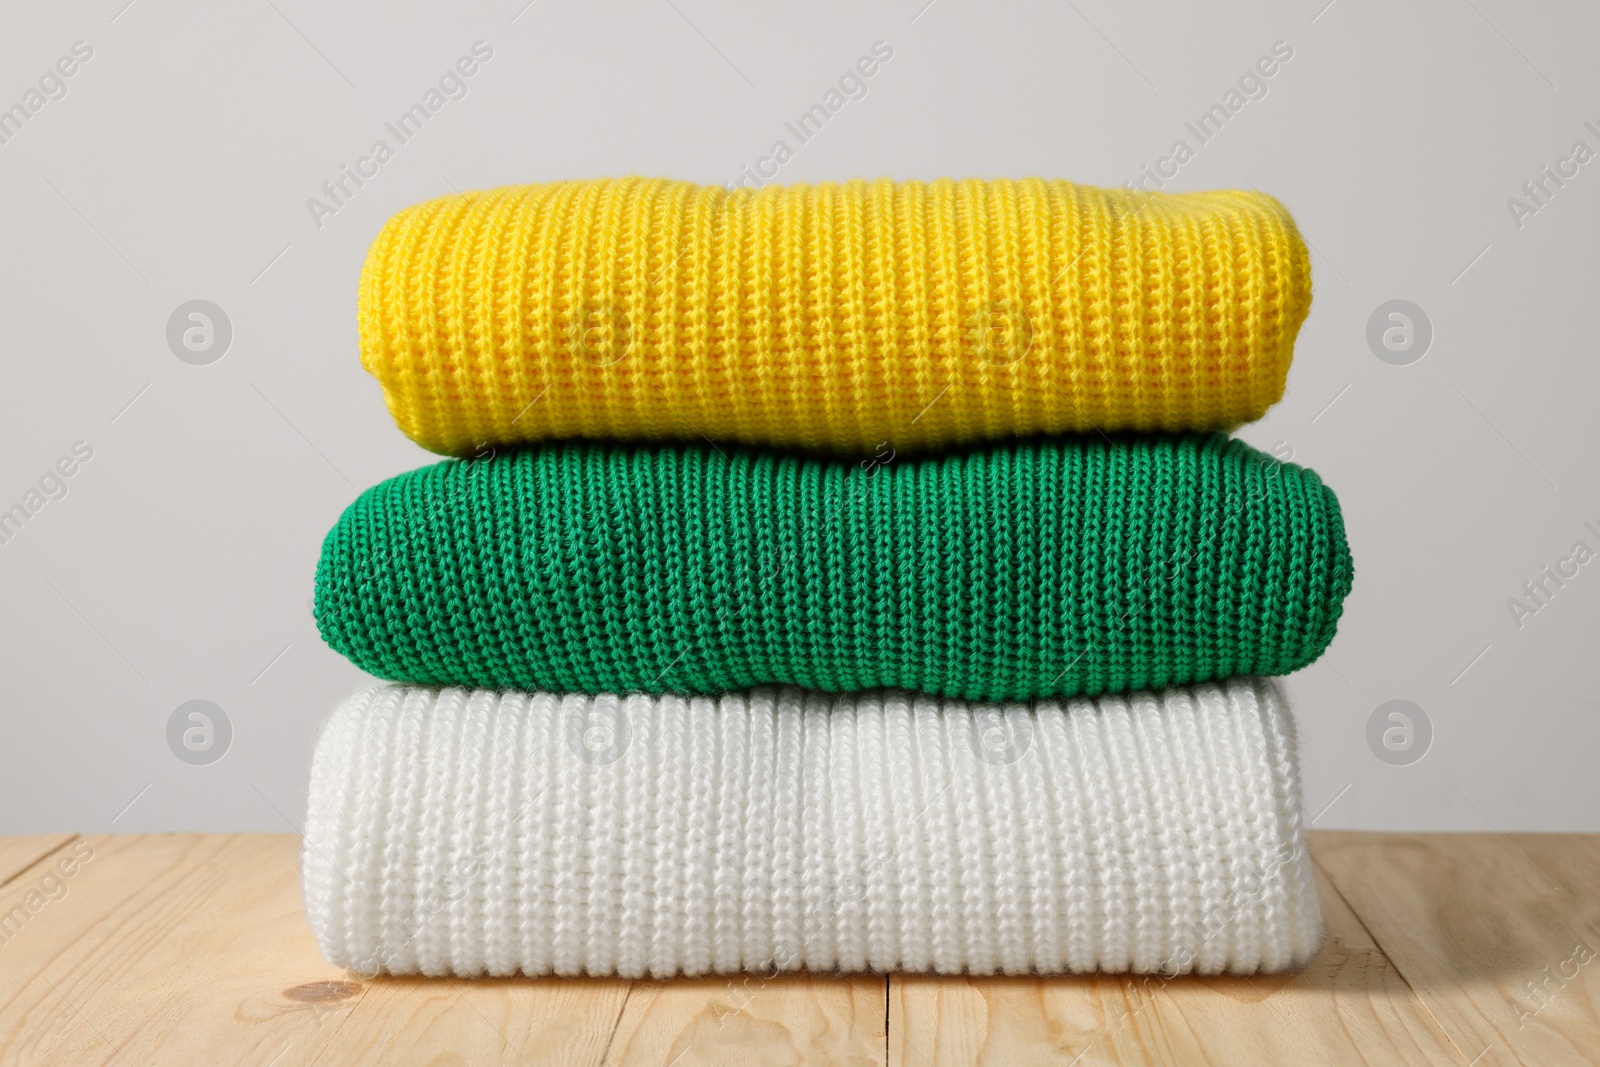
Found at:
(847, 318)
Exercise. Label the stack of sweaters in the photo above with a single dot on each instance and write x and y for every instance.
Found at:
(833, 578)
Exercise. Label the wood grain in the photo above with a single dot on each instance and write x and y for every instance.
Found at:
(1350, 999)
(1498, 935)
(17, 854)
(448, 1022)
(753, 1021)
(193, 949)
(184, 949)
(167, 949)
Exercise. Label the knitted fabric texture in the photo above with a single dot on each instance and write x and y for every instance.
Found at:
(1043, 568)
(833, 317)
(468, 833)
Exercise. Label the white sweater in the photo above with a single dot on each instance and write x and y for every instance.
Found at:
(472, 832)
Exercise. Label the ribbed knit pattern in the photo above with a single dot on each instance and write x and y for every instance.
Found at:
(1043, 568)
(473, 833)
(832, 316)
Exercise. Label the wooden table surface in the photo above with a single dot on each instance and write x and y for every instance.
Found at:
(191, 949)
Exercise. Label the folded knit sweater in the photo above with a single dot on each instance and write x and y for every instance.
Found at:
(831, 317)
(1042, 568)
(469, 833)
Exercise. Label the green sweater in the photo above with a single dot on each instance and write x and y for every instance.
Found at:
(1051, 567)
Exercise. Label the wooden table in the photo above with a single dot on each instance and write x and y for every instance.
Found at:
(191, 949)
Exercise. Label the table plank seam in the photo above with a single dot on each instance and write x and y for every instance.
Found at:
(1373, 936)
(616, 1024)
(208, 943)
(886, 980)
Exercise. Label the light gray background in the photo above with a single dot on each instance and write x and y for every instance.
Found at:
(178, 166)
